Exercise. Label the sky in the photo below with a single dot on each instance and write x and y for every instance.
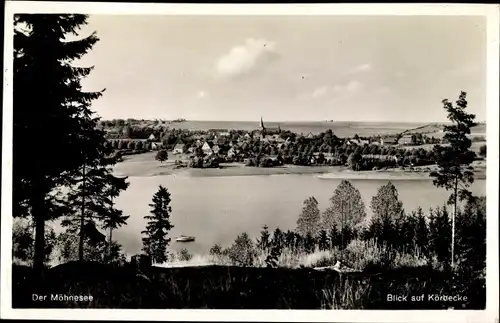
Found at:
(286, 68)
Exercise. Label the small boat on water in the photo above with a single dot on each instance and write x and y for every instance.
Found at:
(184, 238)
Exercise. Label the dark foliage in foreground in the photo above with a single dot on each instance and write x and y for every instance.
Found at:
(238, 288)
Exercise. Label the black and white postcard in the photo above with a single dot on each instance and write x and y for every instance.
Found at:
(334, 158)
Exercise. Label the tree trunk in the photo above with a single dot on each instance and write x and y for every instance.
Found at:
(82, 219)
(453, 225)
(109, 243)
(39, 216)
(342, 231)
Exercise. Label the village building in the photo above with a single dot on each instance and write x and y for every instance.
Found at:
(357, 142)
(267, 138)
(262, 130)
(221, 140)
(207, 150)
(232, 152)
(389, 141)
(152, 137)
(179, 148)
(216, 149)
(310, 136)
(278, 139)
(156, 145)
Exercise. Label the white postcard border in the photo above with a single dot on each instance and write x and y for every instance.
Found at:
(493, 22)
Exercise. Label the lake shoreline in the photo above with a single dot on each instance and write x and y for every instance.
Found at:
(152, 169)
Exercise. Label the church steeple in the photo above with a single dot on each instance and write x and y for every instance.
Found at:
(262, 124)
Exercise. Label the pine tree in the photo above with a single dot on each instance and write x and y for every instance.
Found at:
(155, 241)
(455, 173)
(290, 240)
(298, 242)
(278, 239)
(422, 233)
(388, 231)
(309, 219)
(90, 200)
(264, 241)
(406, 237)
(112, 217)
(323, 240)
(309, 243)
(48, 100)
(471, 233)
(333, 236)
(374, 230)
(439, 234)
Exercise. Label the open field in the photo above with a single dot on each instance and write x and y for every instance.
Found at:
(475, 147)
(433, 128)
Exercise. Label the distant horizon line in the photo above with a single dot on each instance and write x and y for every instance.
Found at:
(280, 121)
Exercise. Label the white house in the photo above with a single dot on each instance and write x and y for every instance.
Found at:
(231, 152)
(178, 148)
(358, 142)
(152, 137)
(156, 145)
(206, 148)
(389, 141)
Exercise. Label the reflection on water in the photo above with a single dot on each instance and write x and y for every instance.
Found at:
(216, 209)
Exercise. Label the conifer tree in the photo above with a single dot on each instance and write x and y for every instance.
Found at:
(323, 240)
(439, 234)
(112, 217)
(471, 235)
(333, 236)
(290, 239)
(49, 100)
(298, 242)
(264, 241)
(455, 173)
(309, 243)
(405, 236)
(278, 239)
(90, 200)
(155, 240)
(422, 232)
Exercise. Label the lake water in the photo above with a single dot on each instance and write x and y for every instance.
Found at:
(217, 209)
